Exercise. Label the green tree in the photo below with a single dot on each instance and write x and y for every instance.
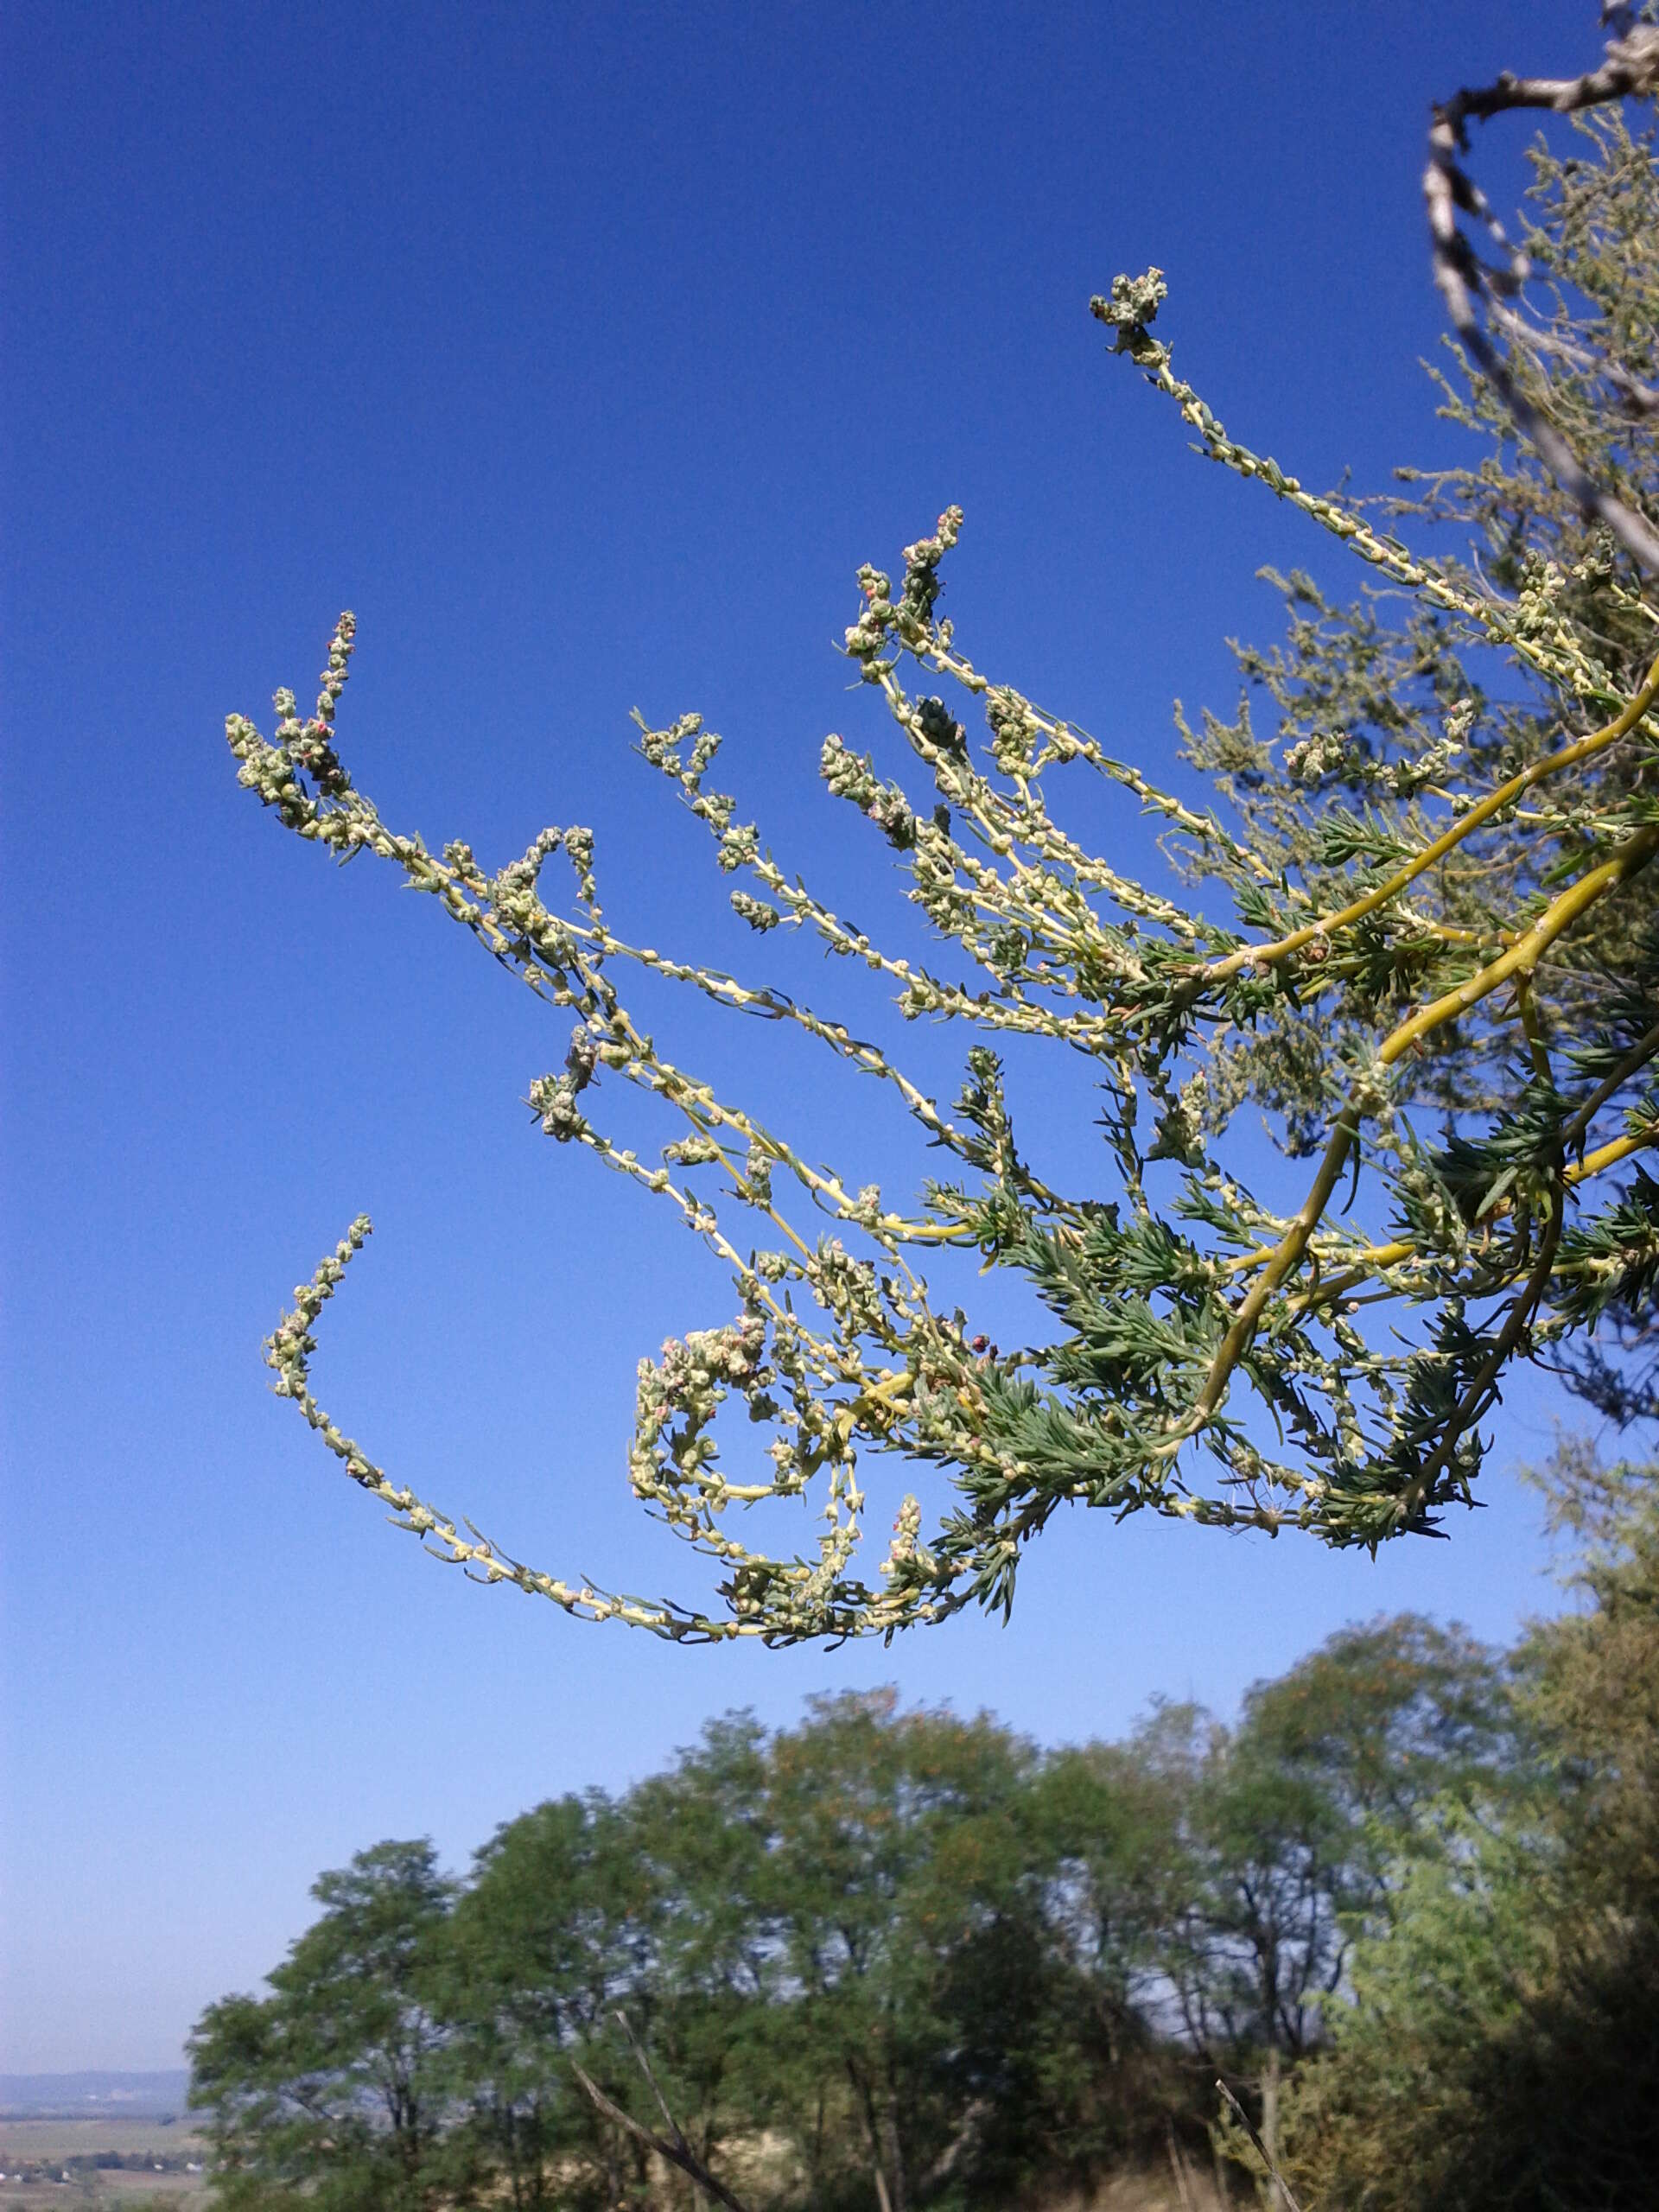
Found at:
(1501, 2048)
(331, 2087)
(1211, 1881)
(900, 1886)
(550, 1933)
(1116, 1818)
(1305, 1812)
(708, 2001)
(1392, 935)
(1126, 1912)
(901, 1956)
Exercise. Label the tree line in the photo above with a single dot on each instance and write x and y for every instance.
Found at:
(906, 1958)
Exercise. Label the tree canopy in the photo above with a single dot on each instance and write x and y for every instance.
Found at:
(1414, 928)
(1500, 2048)
(884, 1951)
(1405, 1904)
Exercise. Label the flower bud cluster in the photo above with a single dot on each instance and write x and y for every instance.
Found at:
(677, 1399)
(739, 847)
(1323, 753)
(1131, 310)
(300, 749)
(849, 1288)
(662, 747)
(938, 728)
(691, 1152)
(920, 591)
(906, 621)
(1014, 733)
(579, 851)
(852, 775)
(901, 1550)
(757, 1176)
(1432, 766)
(757, 912)
(553, 1099)
(292, 1343)
(863, 641)
(937, 891)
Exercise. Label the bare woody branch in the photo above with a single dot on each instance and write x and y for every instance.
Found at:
(1468, 284)
(673, 2146)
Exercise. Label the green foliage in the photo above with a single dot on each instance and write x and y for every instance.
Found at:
(1501, 2048)
(1416, 931)
(329, 2088)
(548, 1926)
(1407, 1905)
(1313, 1802)
(882, 1951)
(906, 1905)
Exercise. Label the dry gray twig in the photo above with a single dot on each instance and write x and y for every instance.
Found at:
(1261, 2149)
(1467, 283)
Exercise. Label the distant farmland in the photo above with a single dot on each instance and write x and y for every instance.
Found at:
(105, 2161)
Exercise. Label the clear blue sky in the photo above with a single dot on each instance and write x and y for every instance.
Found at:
(585, 353)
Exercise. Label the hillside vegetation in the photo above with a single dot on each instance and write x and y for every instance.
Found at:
(905, 1957)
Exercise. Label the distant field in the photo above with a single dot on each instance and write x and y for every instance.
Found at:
(40, 2147)
(35, 2155)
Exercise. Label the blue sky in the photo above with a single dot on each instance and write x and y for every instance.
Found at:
(585, 353)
